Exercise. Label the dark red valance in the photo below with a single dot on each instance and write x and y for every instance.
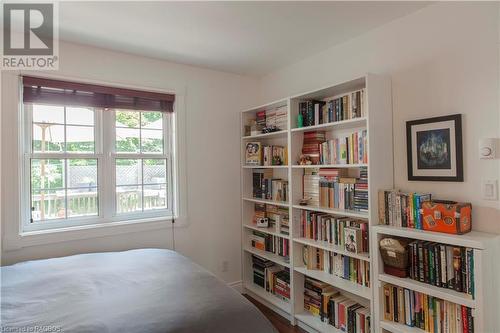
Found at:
(56, 92)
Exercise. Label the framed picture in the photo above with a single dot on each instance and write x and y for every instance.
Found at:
(434, 149)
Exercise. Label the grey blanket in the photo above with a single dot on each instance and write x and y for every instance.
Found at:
(149, 290)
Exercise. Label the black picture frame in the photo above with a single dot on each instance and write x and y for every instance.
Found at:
(445, 164)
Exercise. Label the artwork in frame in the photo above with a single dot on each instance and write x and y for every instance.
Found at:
(434, 149)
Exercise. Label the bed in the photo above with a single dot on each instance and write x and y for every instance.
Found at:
(147, 290)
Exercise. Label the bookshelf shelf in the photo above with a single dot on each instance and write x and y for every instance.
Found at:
(269, 202)
(333, 211)
(344, 124)
(337, 282)
(316, 323)
(330, 247)
(266, 230)
(399, 328)
(265, 135)
(282, 305)
(474, 239)
(337, 166)
(265, 167)
(268, 255)
(375, 126)
(443, 293)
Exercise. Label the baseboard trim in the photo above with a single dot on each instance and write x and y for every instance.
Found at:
(237, 285)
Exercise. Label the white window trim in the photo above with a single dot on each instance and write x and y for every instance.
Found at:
(111, 226)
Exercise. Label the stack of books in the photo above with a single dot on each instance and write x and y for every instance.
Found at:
(344, 232)
(272, 277)
(426, 312)
(270, 243)
(312, 145)
(281, 117)
(261, 119)
(442, 265)
(345, 267)
(311, 187)
(401, 209)
(267, 187)
(360, 199)
(333, 308)
(350, 149)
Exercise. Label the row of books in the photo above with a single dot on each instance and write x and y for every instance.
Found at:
(327, 188)
(265, 155)
(349, 149)
(347, 233)
(401, 209)
(278, 217)
(333, 308)
(426, 312)
(267, 187)
(273, 117)
(345, 267)
(270, 243)
(442, 265)
(348, 106)
(272, 277)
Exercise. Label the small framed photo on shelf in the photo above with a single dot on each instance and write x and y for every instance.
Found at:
(434, 149)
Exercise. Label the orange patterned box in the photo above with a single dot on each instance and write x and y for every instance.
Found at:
(447, 216)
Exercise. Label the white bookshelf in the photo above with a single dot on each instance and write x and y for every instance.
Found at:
(378, 123)
(484, 304)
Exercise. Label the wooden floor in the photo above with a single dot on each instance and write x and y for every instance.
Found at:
(282, 325)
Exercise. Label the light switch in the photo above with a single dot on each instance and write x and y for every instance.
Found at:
(489, 189)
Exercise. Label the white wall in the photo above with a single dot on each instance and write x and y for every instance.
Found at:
(212, 102)
(442, 59)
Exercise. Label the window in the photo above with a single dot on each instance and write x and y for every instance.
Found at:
(87, 163)
(141, 182)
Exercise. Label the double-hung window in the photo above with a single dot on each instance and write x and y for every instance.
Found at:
(95, 154)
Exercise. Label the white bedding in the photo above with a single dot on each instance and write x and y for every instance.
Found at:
(149, 290)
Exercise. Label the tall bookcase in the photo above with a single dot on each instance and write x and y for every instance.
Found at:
(377, 121)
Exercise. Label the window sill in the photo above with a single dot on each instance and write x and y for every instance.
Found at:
(50, 236)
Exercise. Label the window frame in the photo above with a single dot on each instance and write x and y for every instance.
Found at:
(105, 155)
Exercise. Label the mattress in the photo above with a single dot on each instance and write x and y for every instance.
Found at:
(147, 290)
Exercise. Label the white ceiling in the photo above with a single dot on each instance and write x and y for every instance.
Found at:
(251, 38)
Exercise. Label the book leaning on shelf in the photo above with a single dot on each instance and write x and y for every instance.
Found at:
(333, 308)
(442, 265)
(428, 313)
(270, 243)
(272, 277)
(345, 267)
(269, 188)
